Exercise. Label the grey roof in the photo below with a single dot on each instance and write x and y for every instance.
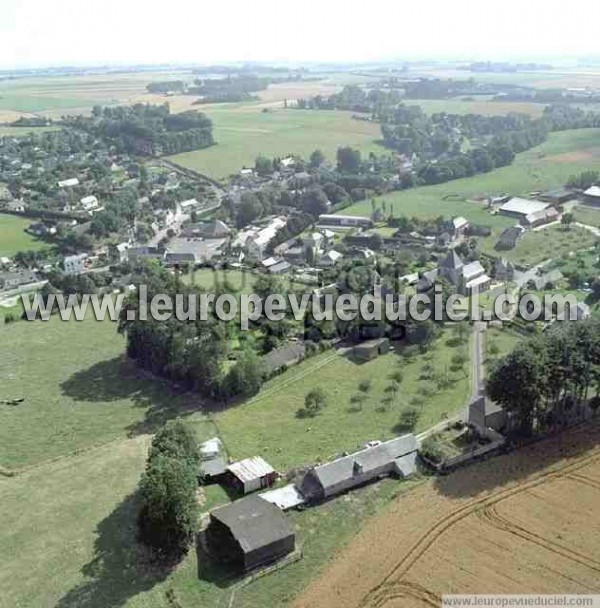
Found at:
(406, 465)
(254, 522)
(250, 468)
(472, 269)
(284, 355)
(214, 229)
(213, 467)
(452, 260)
(374, 458)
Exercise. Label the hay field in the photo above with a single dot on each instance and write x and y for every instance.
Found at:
(526, 522)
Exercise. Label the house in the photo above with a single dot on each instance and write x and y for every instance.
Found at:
(284, 356)
(331, 258)
(250, 474)
(256, 240)
(76, 264)
(68, 183)
(249, 533)
(504, 270)
(146, 253)
(539, 218)
(345, 221)
(175, 259)
(16, 206)
(13, 280)
(370, 349)
(313, 243)
(458, 228)
(485, 414)
(88, 203)
(188, 205)
(427, 280)
(592, 196)
(521, 208)
(122, 250)
(281, 267)
(397, 456)
(40, 229)
(295, 255)
(215, 229)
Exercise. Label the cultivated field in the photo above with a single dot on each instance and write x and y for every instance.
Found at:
(522, 523)
(244, 131)
(13, 237)
(483, 105)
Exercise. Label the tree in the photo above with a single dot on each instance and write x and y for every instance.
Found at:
(317, 158)
(168, 515)
(567, 220)
(175, 440)
(245, 377)
(348, 160)
(408, 419)
(263, 165)
(422, 333)
(314, 401)
(314, 201)
(364, 386)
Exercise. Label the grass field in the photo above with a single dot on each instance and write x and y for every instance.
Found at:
(248, 428)
(587, 215)
(7, 131)
(243, 132)
(544, 167)
(13, 237)
(482, 105)
(78, 390)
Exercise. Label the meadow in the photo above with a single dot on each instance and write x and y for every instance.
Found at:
(13, 237)
(587, 215)
(246, 131)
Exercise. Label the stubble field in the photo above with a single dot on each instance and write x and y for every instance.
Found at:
(526, 522)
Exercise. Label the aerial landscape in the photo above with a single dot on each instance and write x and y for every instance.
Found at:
(299, 306)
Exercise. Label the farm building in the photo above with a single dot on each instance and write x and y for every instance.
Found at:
(528, 212)
(485, 414)
(370, 349)
(345, 221)
(249, 533)
(250, 474)
(592, 196)
(556, 197)
(396, 456)
(284, 356)
(213, 465)
(68, 183)
(12, 280)
(509, 238)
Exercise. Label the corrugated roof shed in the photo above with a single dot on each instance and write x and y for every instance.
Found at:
(250, 469)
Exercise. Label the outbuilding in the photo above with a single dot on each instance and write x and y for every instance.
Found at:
(249, 533)
(250, 474)
(370, 349)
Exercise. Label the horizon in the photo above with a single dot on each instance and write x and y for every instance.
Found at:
(35, 35)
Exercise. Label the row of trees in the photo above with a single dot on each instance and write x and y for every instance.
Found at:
(546, 376)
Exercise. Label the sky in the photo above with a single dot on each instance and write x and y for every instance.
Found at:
(36, 33)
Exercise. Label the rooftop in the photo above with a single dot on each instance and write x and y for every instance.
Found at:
(250, 468)
(523, 206)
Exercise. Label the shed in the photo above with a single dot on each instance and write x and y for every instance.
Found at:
(285, 498)
(484, 414)
(396, 456)
(250, 533)
(251, 474)
(365, 351)
(212, 470)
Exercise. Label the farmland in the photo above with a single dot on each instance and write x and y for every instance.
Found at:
(478, 105)
(245, 132)
(13, 237)
(521, 523)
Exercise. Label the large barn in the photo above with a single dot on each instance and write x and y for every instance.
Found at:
(397, 456)
(249, 533)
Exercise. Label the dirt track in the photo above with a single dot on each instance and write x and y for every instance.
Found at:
(523, 523)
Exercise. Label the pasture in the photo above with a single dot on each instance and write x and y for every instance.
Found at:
(244, 131)
(78, 390)
(477, 105)
(8, 131)
(13, 237)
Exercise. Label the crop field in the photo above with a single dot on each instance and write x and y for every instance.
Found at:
(245, 132)
(476, 105)
(78, 390)
(247, 429)
(525, 522)
(13, 237)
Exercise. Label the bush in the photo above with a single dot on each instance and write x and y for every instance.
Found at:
(431, 449)
(408, 419)
(175, 440)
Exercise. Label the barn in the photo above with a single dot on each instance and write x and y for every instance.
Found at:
(370, 349)
(397, 456)
(250, 474)
(249, 533)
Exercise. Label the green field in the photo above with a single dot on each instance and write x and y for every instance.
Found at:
(8, 131)
(587, 215)
(551, 242)
(13, 237)
(248, 429)
(542, 168)
(77, 388)
(243, 132)
(477, 105)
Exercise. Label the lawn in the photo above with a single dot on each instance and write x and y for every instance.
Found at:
(551, 242)
(244, 131)
(13, 237)
(249, 429)
(78, 390)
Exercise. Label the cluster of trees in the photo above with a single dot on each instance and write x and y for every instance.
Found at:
(168, 510)
(228, 89)
(147, 127)
(546, 376)
(192, 353)
(583, 180)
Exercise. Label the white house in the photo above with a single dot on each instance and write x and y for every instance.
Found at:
(75, 264)
(331, 258)
(257, 240)
(68, 183)
(89, 202)
(123, 251)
